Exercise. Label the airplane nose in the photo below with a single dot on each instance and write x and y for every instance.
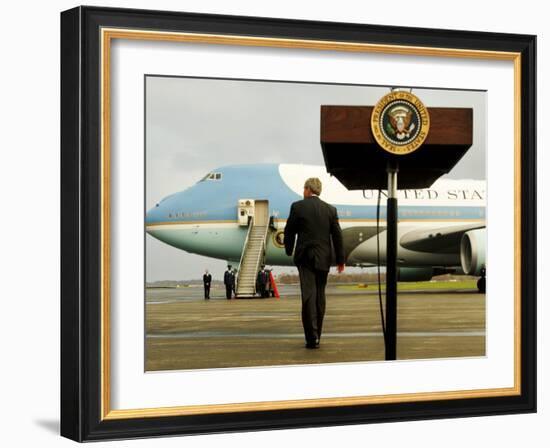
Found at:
(154, 216)
(154, 220)
(161, 224)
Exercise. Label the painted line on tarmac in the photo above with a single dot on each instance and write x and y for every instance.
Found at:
(212, 334)
(162, 302)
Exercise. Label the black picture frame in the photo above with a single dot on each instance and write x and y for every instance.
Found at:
(83, 407)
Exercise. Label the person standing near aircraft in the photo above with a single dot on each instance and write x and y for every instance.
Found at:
(207, 281)
(261, 282)
(229, 282)
(315, 224)
(233, 285)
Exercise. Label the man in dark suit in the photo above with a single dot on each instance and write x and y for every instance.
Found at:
(315, 223)
(207, 281)
(229, 282)
(262, 280)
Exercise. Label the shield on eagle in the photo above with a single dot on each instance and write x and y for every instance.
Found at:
(400, 121)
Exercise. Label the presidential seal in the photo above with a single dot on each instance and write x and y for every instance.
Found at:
(279, 239)
(400, 122)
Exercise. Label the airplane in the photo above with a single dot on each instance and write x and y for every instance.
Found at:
(440, 229)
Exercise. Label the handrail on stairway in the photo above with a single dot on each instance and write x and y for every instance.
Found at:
(250, 225)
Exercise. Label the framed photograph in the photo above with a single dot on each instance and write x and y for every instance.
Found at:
(235, 187)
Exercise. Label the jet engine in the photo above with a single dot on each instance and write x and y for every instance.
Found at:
(415, 274)
(472, 252)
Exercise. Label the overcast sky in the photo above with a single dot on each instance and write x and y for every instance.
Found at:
(196, 125)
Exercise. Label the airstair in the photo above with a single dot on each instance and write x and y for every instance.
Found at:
(252, 258)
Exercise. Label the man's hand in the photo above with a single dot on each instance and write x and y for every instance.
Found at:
(340, 268)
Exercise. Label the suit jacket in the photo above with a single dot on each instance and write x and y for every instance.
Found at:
(228, 278)
(262, 278)
(207, 279)
(319, 243)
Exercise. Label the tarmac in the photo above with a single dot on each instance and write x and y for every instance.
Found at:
(184, 331)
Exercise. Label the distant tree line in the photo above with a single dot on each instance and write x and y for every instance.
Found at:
(287, 279)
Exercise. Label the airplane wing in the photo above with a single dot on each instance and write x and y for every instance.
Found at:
(353, 236)
(437, 240)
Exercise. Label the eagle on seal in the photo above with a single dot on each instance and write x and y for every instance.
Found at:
(400, 118)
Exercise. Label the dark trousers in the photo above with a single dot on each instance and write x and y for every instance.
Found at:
(206, 291)
(312, 286)
(228, 291)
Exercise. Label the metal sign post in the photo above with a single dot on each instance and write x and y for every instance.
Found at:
(391, 264)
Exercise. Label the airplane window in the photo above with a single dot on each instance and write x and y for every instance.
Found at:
(211, 176)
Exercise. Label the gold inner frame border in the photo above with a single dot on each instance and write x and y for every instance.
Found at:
(107, 35)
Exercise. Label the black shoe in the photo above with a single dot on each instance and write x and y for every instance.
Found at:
(313, 345)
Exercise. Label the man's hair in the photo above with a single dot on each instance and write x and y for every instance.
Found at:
(314, 184)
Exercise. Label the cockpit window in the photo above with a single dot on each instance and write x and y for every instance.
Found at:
(212, 176)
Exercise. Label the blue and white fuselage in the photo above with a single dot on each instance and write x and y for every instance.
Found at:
(433, 223)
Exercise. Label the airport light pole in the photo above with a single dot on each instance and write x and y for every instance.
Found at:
(391, 263)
